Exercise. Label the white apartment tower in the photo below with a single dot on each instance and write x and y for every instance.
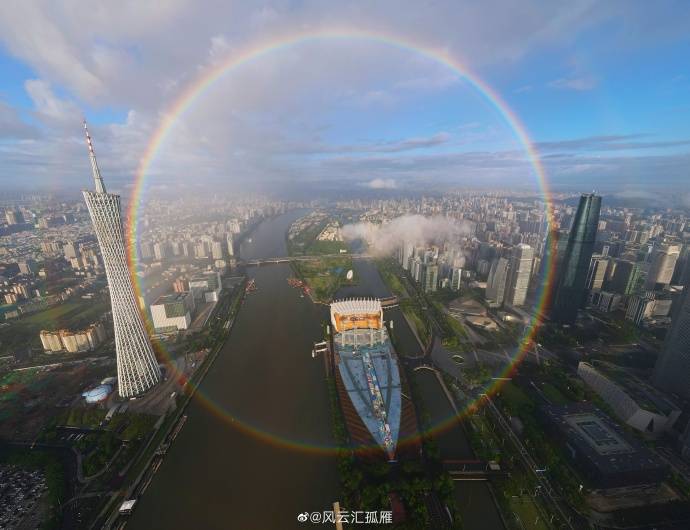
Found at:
(519, 273)
(662, 266)
(137, 369)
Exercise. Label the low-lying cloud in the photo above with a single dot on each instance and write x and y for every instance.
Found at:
(381, 184)
(383, 239)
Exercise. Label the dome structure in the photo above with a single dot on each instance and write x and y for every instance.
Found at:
(97, 394)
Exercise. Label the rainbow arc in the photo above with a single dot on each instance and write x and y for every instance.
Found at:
(256, 51)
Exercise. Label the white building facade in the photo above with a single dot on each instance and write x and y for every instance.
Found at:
(173, 312)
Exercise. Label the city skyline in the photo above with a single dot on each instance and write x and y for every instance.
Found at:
(458, 282)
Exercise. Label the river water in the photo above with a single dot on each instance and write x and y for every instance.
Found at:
(248, 456)
(218, 473)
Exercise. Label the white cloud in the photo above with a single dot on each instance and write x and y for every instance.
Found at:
(381, 184)
(383, 239)
(124, 52)
(48, 107)
(274, 117)
(12, 126)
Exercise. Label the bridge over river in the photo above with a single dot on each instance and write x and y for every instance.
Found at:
(288, 259)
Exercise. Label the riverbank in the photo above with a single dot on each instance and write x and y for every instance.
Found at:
(475, 502)
(258, 426)
(153, 453)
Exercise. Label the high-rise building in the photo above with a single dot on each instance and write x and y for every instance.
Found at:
(519, 274)
(604, 301)
(172, 312)
(430, 279)
(662, 265)
(455, 279)
(70, 250)
(572, 269)
(416, 269)
(146, 251)
(231, 243)
(206, 285)
(200, 250)
(186, 248)
(14, 217)
(627, 277)
(496, 284)
(672, 371)
(160, 250)
(180, 285)
(682, 271)
(406, 254)
(28, 266)
(217, 250)
(638, 307)
(596, 273)
(137, 369)
(51, 341)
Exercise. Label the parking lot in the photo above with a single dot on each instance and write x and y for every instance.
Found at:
(21, 493)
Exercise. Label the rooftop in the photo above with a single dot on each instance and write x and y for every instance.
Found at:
(600, 440)
(356, 306)
(643, 394)
(370, 374)
(170, 298)
(597, 434)
(363, 313)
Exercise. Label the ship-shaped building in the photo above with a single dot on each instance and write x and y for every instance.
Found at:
(368, 379)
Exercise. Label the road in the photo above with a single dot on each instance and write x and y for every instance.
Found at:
(562, 509)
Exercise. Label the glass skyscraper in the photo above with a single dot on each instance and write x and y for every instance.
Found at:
(672, 371)
(572, 270)
(496, 284)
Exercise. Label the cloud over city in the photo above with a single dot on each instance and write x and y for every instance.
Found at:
(383, 239)
(370, 111)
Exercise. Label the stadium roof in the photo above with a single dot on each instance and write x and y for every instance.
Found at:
(356, 306)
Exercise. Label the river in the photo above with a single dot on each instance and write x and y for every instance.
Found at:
(246, 456)
(219, 474)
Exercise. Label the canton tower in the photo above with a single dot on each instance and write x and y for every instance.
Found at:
(137, 369)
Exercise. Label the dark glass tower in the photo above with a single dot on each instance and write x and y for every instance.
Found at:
(672, 370)
(572, 270)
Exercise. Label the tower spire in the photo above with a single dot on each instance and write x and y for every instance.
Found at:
(100, 187)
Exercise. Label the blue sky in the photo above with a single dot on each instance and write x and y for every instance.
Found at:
(603, 89)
